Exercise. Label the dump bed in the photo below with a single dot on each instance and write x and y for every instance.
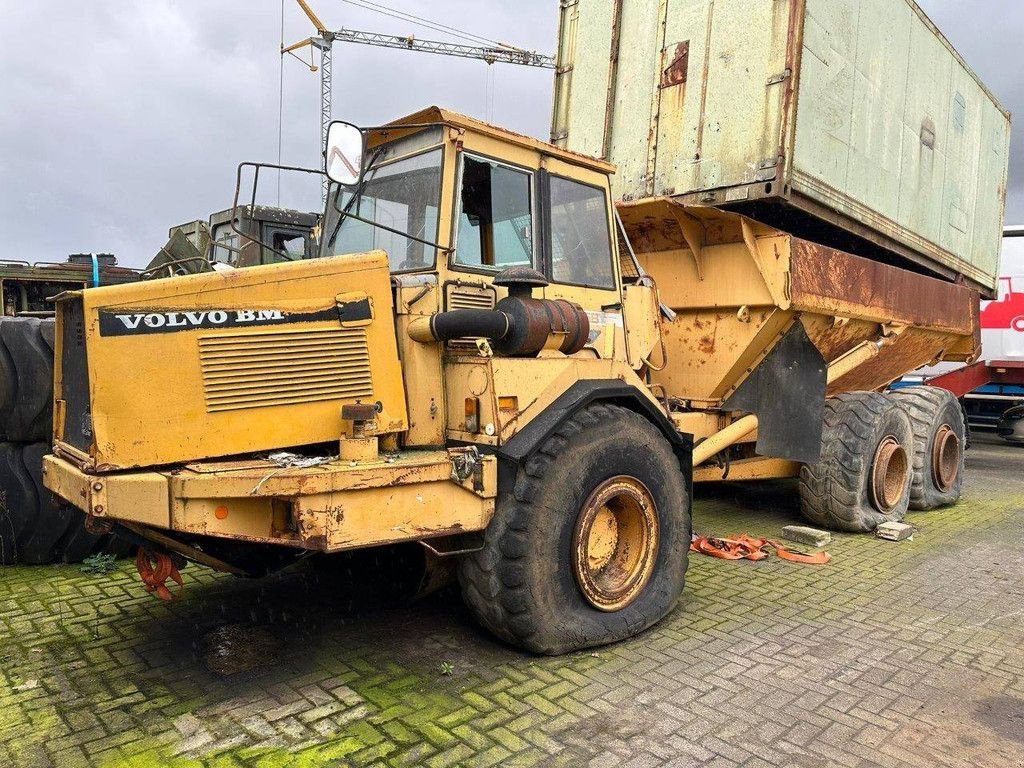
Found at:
(851, 122)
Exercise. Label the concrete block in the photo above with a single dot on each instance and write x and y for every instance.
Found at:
(894, 531)
(802, 534)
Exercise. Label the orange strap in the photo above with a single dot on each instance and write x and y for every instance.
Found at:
(155, 568)
(744, 547)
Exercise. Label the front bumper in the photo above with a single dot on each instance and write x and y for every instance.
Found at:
(331, 507)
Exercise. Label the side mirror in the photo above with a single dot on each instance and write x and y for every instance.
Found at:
(343, 157)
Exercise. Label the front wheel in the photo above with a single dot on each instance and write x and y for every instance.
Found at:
(591, 544)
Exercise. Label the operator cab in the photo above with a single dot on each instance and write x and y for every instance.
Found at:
(445, 194)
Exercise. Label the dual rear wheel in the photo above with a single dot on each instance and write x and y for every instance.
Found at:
(590, 545)
(882, 455)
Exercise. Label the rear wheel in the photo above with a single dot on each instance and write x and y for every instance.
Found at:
(863, 476)
(591, 545)
(939, 439)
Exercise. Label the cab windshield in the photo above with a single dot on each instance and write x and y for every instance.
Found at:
(401, 190)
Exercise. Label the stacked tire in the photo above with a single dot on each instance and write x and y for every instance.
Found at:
(35, 527)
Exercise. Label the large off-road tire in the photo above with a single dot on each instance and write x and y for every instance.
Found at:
(940, 436)
(591, 544)
(863, 476)
(26, 378)
(35, 528)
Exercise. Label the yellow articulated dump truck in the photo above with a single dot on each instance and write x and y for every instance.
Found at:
(495, 359)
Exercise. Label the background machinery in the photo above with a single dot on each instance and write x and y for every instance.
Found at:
(35, 526)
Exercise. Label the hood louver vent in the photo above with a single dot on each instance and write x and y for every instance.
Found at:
(257, 370)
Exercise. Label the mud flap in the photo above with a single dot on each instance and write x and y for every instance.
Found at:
(787, 393)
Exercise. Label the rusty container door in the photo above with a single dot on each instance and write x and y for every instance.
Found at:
(855, 115)
(679, 94)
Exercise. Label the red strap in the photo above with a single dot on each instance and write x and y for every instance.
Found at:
(744, 547)
(155, 568)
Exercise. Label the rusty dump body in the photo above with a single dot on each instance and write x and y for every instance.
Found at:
(738, 288)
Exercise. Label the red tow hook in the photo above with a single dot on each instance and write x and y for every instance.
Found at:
(155, 568)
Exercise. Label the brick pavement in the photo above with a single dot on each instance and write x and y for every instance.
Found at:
(903, 654)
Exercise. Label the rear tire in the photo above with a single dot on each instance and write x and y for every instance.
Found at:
(863, 477)
(591, 545)
(939, 439)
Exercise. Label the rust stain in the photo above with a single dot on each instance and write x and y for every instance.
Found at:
(794, 54)
(675, 72)
(928, 132)
(911, 350)
(835, 342)
(706, 344)
(318, 543)
(828, 281)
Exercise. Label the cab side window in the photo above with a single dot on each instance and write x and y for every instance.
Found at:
(495, 216)
(285, 245)
(581, 252)
(226, 244)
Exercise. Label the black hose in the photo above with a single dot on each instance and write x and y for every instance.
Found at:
(477, 323)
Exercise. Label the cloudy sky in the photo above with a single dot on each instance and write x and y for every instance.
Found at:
(122, 118)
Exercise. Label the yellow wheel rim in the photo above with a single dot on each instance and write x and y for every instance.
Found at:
(615, 543)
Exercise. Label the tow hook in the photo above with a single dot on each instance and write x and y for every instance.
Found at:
(155, 568)
(97, 526)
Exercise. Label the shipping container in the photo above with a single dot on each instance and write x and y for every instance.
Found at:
(851, 122)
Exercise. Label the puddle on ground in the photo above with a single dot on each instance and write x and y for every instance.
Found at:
(234, 648)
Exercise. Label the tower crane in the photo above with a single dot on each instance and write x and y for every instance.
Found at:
(325, 39)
